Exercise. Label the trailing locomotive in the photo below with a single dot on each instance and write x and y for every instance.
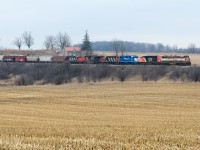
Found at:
(94, 59)
(165, 60)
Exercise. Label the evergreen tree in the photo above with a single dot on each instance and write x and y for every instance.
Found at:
(86, 46)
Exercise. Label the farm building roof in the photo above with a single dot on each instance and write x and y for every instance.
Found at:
(72, 49)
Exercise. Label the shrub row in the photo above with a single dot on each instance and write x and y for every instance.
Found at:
(62, 73)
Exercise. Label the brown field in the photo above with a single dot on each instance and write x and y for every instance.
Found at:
(101, 116)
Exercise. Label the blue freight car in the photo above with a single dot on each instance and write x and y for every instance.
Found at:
(130, 59)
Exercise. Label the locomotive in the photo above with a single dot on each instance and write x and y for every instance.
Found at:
(95, 59)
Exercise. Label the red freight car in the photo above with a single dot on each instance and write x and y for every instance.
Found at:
(20, 58)
(58, 58)
(8, 58)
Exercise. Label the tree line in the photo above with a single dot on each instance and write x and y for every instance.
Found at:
(125, 46)
(53, 42)
(61, 40)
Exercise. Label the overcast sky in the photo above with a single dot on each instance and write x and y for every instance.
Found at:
(173, 22)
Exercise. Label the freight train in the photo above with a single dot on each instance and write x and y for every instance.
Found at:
(94, 59)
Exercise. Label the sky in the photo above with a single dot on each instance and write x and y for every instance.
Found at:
(171, 22)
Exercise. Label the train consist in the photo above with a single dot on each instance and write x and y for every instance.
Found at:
(94, 59)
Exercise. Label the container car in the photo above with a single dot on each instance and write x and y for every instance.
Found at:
(58, 58)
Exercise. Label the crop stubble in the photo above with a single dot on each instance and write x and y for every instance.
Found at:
(101, 116)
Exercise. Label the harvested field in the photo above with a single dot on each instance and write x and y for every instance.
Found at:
(101, 116)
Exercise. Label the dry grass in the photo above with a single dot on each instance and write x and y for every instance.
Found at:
(101, 116)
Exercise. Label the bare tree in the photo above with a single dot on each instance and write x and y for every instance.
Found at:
(28, 39)
(122, 47)
(47, 45)
(62, 40)
(192, 48)
(18, 42)
(50, 42)
(175, 48)
(116, 46)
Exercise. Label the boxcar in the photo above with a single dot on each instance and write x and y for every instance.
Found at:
(8, 58)
(20, 58)
(58, 58)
